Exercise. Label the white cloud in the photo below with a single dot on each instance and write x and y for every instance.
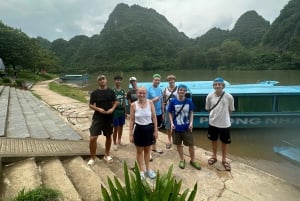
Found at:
(54, 19)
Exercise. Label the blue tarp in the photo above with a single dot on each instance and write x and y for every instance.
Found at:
(291, 152)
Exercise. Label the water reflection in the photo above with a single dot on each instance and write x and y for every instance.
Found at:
(255, 147)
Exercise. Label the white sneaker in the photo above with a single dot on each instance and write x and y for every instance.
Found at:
(115, 147)
(91, 162)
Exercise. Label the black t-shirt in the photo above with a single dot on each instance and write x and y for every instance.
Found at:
(104, 98)
(131, 95)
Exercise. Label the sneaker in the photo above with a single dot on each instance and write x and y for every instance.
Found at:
(115, 147)
(151, 174)
(142, 175)
(91, 162)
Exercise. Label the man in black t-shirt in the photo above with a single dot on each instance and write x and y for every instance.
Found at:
(103, 102)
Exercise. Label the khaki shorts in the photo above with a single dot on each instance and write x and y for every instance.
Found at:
(185, 137)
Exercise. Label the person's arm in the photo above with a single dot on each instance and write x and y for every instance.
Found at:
(98, 109)
(131, 122)
(191, 120)
(154, 120)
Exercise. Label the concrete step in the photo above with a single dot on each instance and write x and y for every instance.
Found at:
(85, 180)
(54, 176)
(19, 175)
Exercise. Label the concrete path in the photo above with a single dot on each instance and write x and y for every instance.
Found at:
(242, 183)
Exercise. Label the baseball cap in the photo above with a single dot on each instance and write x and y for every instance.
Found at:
(219, 79)
(132, 79)
(101, 77)
(182, 86)
(156, 75)
(171, 77)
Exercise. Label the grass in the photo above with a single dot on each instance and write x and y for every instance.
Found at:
(39, 193)
(69, 91)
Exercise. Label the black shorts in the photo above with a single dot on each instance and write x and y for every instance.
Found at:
(159, 120)
(143, 135)
(214, 133)
(99, 126)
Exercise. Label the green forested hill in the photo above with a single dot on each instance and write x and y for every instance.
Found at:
(140, 38)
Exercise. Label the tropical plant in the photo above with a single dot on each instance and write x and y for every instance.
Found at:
(39, 193)
(166, 187)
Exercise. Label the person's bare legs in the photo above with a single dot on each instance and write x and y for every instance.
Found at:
(169, 133)
(120, 133)
(147, 151)
(93, 146)
(192, 153)
(115, 133)
(214, 145)
(139, 157)
(180, 152)
(107, 145)
(224, 152)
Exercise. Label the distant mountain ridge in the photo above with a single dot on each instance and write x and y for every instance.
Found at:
(137, 38)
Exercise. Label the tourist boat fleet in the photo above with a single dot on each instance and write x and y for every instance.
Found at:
(257, 105)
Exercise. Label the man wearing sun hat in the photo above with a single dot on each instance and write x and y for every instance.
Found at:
(219, 105)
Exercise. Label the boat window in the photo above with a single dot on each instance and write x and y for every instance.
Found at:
(288, 103)
(254, 104)
(199, 102)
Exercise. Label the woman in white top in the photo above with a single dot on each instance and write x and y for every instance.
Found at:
(143, 128)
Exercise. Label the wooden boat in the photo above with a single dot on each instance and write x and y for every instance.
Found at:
(74, 77)
(258, 105)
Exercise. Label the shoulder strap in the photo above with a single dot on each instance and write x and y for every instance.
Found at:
(217, 102)
(179, 110)
(171, 94)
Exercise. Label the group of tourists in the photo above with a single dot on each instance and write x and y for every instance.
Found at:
(152, 108)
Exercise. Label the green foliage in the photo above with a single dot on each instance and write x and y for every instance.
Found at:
(136, 189)
(19, 82)
(6, 80)
(38, 194)
(69, 91)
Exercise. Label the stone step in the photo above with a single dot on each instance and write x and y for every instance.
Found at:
(4, 101)
(54, 176)
(19, 175)
(85, 180)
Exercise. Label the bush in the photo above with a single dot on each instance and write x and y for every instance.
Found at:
(6, 80)
(40, 193)
(136, 189)
(19, 82)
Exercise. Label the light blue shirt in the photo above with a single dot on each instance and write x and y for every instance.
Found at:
(154, 92)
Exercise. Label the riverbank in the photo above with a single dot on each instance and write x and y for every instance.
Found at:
(242, 183)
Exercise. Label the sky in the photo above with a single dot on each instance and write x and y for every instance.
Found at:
(53, 19)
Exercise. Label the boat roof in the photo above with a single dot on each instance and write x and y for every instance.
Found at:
(262, 87)
(241, 89)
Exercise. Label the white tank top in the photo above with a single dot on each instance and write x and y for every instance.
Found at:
(143, 115)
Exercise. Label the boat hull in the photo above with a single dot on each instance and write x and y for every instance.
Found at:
(253, 120)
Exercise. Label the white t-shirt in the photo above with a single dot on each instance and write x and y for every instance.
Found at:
(220, 115)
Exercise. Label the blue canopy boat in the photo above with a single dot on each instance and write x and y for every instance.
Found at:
(257, 105)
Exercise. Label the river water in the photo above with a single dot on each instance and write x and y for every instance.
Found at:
(251, 146)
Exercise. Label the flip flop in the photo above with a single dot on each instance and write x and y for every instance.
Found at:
(168, 145)
(108, 159)
(195, 165)
(226, 165)
(212, 161)
(158, 151)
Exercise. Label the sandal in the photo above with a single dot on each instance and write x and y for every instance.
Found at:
(168, 145)
(182, 164)
(226, 165)
(158, 151)
(108, 159)
(212, 161)
(195, 165)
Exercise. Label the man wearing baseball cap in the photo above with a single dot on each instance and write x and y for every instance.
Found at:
(219, 105)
